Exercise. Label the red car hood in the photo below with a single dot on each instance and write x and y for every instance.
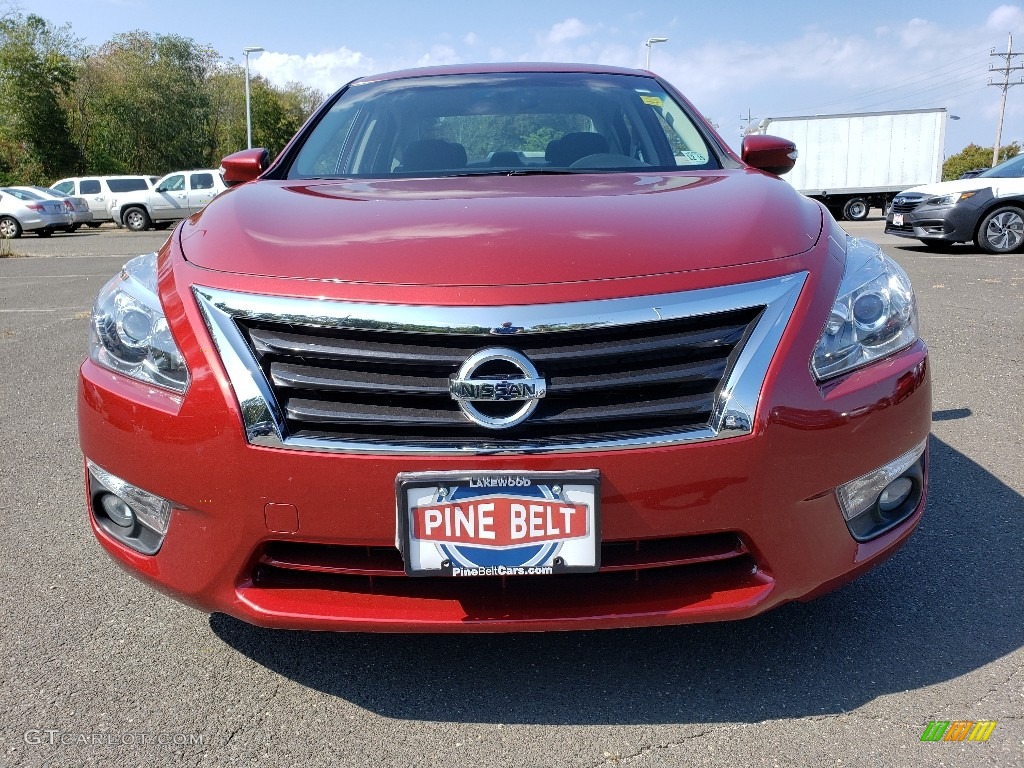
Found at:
(501, 230)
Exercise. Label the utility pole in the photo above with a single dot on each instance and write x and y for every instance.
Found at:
(1005, 86)
(749, 120)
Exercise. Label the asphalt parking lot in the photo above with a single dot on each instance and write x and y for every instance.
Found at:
(102, 670)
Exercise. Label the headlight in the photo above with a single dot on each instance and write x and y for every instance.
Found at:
(874, 315)
(952, 198)
(129, 332)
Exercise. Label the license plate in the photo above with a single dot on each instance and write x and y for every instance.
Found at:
(897, 219)
(498, 523)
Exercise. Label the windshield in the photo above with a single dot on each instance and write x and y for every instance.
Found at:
(22, 194)
(502, 123)
(1008, 169)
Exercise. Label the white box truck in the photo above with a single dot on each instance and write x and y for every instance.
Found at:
(858, 161)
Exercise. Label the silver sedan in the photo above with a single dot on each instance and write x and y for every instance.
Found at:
(80, 212)
(25, 211)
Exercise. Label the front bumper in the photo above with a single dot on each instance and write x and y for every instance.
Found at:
(702, 531)
(949, 223)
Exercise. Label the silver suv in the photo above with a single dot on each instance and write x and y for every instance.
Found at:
(99, 190)
(176, 196)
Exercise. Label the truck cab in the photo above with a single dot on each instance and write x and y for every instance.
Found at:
(176, 196)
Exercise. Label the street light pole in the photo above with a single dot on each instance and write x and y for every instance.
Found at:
(651, 41)
(248, 112)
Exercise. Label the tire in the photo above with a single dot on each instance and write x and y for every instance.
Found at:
(136, 219)
(856, 209)
(1002, 230)
(9, 227)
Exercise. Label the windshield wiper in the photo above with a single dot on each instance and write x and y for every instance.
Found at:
(515, 172)
(542, 171)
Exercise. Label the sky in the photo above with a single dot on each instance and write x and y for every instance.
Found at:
(734, 60)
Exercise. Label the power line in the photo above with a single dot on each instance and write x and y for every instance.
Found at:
(939, 87)
(944, 71)
(947, 97)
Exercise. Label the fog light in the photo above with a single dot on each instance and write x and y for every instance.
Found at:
(878, 501)
(895, 494)
(133, 516)
(117, 510)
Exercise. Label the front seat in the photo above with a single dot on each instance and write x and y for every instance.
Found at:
(573, 146)
(432, 155)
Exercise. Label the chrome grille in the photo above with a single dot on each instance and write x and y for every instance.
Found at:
(906, 203)
(352, 384)
(655, 370)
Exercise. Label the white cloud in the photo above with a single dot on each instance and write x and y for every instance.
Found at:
(327, 71)
(471, 39)
(1006, 18)
(438, 55)
(570, 29)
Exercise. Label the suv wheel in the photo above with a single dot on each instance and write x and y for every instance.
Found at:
(136, 219)
(1002, 231)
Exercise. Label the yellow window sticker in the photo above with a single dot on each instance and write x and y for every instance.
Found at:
(654, 101)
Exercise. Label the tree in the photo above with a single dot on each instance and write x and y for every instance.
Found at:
(277, 113)
(139, 103)
(143, 105)
(37, 72)
(972, 156)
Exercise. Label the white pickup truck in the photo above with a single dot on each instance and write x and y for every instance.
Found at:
(176, 196)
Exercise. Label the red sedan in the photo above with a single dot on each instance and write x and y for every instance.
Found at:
(520, 347)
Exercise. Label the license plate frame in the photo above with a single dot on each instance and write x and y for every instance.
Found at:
(897, 219)
(551, 501)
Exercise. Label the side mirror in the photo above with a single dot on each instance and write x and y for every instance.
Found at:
(769, 153)
(244, 166)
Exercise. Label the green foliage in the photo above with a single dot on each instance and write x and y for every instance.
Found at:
(972, 156)
(37, 72)
(483, 134)
(139, 103)
(538, 140)
(146, 107)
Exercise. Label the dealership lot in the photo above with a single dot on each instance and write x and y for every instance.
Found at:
(102, 670)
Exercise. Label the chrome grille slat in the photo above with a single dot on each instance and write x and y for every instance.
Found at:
(360, 348)
(671, 374)
(296, 376)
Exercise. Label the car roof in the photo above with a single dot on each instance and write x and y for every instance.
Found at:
(510, 68)
(101, 176)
